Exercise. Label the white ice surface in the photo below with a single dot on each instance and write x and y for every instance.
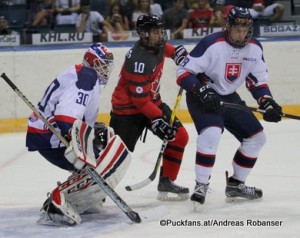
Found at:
(25, 178)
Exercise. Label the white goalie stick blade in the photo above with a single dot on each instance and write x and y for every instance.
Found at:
(139, 185)
(82, 142)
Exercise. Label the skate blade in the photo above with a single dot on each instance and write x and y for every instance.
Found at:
(197, 206)
(241, 200)
(54, 220)
(173, 197)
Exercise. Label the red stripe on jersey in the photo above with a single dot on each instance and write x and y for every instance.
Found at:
(37, 131)
(220, 39)
(181, 77)
(64, 118)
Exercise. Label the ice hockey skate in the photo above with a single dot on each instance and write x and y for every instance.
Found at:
(169, 191)
(54, 214)
(199, 193)
(237, 191)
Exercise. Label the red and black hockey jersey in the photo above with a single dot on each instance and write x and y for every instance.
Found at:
(137, 91)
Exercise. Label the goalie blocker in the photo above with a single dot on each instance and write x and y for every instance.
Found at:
(79, 193)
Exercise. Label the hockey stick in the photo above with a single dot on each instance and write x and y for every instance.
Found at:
(152, 176)
(254, 109)
(133, 216)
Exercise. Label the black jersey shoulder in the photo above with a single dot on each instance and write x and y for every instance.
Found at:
(141, 61)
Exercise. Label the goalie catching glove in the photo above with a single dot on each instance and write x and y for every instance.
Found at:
(273, 111)
(103, 134)
(162, 129)
(207, 97)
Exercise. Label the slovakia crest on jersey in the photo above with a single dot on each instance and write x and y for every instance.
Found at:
(232, 72)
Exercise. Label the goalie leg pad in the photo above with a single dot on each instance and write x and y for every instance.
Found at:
(113, 160)
(82, 192)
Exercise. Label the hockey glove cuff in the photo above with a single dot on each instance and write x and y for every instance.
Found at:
(179, 54)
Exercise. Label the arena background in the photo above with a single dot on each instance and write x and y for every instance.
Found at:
(32, 68)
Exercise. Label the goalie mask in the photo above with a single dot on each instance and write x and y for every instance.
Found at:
(151, 31)
(101, 59)
(239, 27)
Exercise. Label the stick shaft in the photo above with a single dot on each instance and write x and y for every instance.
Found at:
(254, 109)
(152, 176)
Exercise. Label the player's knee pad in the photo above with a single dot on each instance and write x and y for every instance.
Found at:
(181, 138)
(251, 146)
(82, 192)
(208, 140)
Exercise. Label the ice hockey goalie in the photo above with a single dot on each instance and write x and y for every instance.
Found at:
(79, 193)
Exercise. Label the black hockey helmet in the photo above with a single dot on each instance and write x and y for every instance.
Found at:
(144, 25)
(240, 17)
(147, 22)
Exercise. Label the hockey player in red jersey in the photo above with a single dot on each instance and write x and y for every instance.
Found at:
(136, 101)
(218, 65)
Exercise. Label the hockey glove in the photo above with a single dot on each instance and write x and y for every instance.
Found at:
(273, 110)
(162, 129)
(179, 54)
(103, 134)
(207, 97)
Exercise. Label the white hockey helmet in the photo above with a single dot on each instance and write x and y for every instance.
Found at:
(101, 59)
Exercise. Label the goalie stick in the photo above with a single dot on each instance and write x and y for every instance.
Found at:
(133, 216)
(254, 109)
(152, 176)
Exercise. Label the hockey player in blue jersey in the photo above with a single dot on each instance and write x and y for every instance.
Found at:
(218, 65)
(74, 95)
